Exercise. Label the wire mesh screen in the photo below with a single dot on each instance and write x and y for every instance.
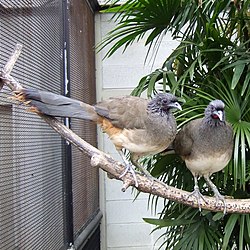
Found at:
(35, 208)
(82, 77)
(31, 201)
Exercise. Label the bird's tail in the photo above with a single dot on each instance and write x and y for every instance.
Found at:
(57, 105)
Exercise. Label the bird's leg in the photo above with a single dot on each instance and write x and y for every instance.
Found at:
(129, 167)
(142, 169)
(217, 194)
(135, 162)
(196, 193)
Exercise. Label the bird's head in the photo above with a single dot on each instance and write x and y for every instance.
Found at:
(215, 112)
(163, 102)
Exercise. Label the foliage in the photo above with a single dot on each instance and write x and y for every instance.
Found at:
(212, 61)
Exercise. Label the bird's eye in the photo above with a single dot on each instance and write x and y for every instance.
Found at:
(165, 101)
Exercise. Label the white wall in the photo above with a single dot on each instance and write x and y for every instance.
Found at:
(122, 226)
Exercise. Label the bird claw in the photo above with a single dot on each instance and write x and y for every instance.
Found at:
(129, 168)
(221, 198)
(197, 194)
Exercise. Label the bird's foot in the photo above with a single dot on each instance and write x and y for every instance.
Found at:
(129, 168)
(221, 198)
(197, 194)
(217, 194)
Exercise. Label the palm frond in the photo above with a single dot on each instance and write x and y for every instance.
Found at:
(212, 61)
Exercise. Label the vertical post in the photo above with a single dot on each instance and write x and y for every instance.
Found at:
(67, 169)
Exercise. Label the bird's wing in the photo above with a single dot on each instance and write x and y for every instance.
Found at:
(124, 112)
(184, 139)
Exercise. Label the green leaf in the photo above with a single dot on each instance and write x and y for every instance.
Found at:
(237, 74)
(241, 233)
(167, 223)
(236, 64)
(218, 216)
(236, 153)
(243, 156)
(246, 82)
(152, 82)
(229, 229)
(172, 80)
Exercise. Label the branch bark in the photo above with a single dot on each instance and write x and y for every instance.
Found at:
(115, 168)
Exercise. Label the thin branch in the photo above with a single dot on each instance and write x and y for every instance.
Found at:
(115, 168)
(5, 77)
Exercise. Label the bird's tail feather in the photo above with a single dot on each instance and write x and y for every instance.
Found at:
(57, 105)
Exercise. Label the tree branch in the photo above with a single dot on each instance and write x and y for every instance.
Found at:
(5, 77)
(115, 168)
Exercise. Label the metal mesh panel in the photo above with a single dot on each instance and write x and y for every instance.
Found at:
(82, 77)
(31, 201)
(94, 242)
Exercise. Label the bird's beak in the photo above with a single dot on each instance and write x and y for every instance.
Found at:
(175, 105)
(219, 114)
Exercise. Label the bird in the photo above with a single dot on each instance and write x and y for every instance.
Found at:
(206, 146)
(142, 126)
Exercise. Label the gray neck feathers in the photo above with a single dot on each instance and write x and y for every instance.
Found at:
(154, 108)
(208, 120)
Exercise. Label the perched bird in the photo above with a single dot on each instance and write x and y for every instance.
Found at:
(144, 127)
(206, 146)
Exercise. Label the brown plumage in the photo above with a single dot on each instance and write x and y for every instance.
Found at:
(206, 146)
(144, 127)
